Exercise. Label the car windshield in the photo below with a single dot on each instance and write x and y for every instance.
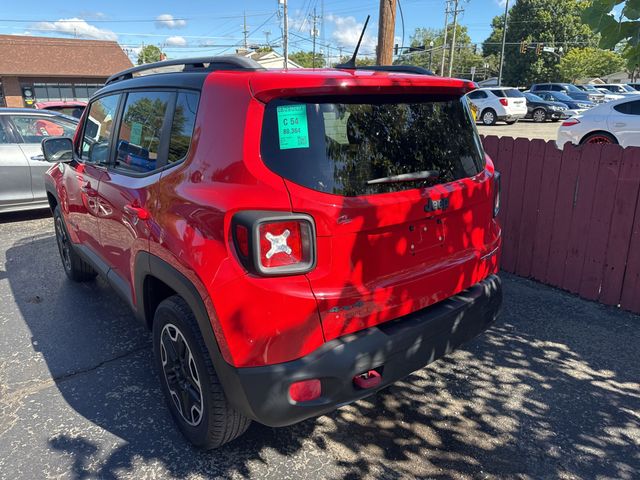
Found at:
(561, 96)
(339, 145)
(590, 88)
(573, 88)
(534, 98)
(627, 88)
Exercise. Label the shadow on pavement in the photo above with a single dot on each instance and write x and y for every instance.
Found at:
(550, 391)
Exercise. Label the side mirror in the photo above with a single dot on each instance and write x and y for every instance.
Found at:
(57, 149)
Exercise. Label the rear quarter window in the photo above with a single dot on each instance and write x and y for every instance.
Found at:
(338, 144)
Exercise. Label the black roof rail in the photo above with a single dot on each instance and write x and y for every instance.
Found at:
(396, 68)
(221, 62)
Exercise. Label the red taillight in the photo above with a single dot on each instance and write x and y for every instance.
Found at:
(280, 244)
(242, 240)
(305, 391)
(274, 243)
(571, 122)
(504, 102)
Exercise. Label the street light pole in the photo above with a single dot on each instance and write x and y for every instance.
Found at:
(504, 40)
(430, 53)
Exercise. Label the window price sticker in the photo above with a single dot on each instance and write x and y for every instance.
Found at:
(293, 130)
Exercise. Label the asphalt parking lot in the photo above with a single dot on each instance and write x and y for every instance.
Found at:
(522, 129)
(551, 391)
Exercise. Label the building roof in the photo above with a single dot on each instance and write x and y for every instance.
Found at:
(270, 60)
(60, 57)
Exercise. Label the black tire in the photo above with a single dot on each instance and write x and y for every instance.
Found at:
(600, 138)
(217, 422)
(74, 266)
(539, 115)
(511, 122)
(555, 120)
(489, 117)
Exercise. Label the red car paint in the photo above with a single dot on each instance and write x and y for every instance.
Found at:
(378, 256)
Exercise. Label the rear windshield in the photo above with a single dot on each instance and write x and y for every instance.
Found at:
(337, 145)
(508, 92)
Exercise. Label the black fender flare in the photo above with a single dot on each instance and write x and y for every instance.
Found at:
(147, 264)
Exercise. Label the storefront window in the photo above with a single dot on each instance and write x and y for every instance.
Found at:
(45, 92)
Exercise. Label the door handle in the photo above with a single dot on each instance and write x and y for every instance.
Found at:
(89, 191)
(141, 213)
(619, 124)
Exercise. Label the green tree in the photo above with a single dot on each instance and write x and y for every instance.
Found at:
(555, 23)
(589, 62)
(305, 59)
(149, 54)
(465, 53)
(617, 29)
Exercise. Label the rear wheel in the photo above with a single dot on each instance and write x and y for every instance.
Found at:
(602, 138)
(74, 266)
(188, 379)
(489, 117)
(539, 115)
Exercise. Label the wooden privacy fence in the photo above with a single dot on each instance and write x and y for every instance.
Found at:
(571, 218)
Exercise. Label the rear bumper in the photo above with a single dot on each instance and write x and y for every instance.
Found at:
(395, 349)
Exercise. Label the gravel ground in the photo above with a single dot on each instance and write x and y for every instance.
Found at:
(552, 391)
(522, 129)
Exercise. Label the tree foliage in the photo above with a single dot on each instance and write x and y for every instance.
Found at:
(555, 23)
(149, 54)
(465, 54)
(619, 28)
(589, 62)
(305, 59)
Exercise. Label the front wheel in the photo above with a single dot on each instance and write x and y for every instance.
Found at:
(188, 378)
(74, 266)
(489, 117)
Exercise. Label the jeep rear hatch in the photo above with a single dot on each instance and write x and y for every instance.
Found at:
(401, 198)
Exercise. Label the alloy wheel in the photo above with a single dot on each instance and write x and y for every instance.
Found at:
(539, 116)
(64, 246)
(488, 118)
(599, 139)
(181, 374)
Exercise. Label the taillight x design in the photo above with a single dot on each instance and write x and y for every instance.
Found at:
(275, 243)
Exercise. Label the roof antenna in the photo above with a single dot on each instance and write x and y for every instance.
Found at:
(351, 63)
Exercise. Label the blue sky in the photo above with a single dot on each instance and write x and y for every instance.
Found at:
(199, 27)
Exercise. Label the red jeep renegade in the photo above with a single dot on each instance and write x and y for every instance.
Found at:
(296, 240)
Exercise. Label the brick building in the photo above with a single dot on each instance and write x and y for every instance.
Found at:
(55, 68)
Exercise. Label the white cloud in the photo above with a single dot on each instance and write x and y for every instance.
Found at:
(346, 32)
(167, 21)
(176, 41)
(75, 27)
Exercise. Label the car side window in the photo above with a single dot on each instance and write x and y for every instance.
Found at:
(184, 119)
(98, 130)
(629, 108)
(4, 135)
(556, 88)
(478, 94)
(33, 128)
(139, 139)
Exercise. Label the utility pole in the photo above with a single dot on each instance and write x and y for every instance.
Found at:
(267, 33)
(245, 31)
(504, 41)
(285, 36)
(386, 30)
(456, 10)
(314, 35)
(444, 42)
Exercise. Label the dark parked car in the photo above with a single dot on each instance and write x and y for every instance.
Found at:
(575, 107)
(569, 90)
(540, 110)
(635, 86)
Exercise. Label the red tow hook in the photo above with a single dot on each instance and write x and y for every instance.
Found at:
(370, 379)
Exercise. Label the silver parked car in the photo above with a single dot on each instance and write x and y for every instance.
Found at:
(21, 172)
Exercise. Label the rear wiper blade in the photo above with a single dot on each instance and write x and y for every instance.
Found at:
(406, 177)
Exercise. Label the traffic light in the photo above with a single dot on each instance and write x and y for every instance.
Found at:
(523, 46)
(539, 48)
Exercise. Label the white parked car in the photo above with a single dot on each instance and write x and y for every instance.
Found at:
(608, 96)
(618, 89)
(495, 104)
(613, 122)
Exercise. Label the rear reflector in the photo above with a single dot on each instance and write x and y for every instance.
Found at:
(305, 391)
(571, 122)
